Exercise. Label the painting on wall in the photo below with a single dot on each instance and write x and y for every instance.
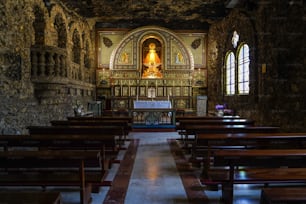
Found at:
(126, 55)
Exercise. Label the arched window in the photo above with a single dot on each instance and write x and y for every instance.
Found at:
(243, 69)
(230, 73)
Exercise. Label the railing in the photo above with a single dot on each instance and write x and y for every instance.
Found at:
(52, 73)
(48, 61)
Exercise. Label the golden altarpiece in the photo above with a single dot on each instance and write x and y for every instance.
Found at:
(151, 64)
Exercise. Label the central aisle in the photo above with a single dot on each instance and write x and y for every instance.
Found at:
(155, 178)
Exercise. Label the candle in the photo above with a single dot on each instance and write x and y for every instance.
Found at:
(168, 97)
(137, 98)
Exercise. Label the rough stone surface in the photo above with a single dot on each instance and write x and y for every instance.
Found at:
(275, 32)
(23, 101)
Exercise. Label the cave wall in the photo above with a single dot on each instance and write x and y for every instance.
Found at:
(27, 100)
(274, 30)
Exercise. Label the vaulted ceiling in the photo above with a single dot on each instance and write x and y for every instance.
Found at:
(179, 14)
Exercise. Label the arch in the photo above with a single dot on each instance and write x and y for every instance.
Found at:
(39, 25)
(139, 35)
(60, 27)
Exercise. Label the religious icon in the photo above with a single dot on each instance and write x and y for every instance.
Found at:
(235, 39)
(179, 58)
(152, 63)
(125, 57)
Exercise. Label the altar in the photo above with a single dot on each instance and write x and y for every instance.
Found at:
(152, 104)
(153, 114)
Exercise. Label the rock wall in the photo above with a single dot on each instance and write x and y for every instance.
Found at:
(22, 103)
(274, 30)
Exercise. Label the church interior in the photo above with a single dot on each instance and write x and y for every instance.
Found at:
(153, 62)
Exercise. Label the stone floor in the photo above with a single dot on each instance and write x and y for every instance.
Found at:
(153, 169)
(162, 176)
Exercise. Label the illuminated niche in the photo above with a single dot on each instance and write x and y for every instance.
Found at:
(152, 59)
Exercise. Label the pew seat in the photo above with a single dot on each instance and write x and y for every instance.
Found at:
(254, 166)
(283, 195)
(44, 168)
(30, 197)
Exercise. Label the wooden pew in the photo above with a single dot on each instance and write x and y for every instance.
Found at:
(256, 166)
(283, 195)
(67, 138)
(107, 120)
(116, 131)
(52, 168)
(205, 144)
(65, 142)
(102, 118)
(195, 117)
(192, 130)
(218, 122)
(124, 123)
(31, 197)
(77, 130)
(183, 124)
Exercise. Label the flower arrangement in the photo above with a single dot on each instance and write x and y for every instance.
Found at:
(222, 110)
(219, 107)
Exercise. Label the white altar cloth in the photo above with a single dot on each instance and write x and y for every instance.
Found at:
(152, 104)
